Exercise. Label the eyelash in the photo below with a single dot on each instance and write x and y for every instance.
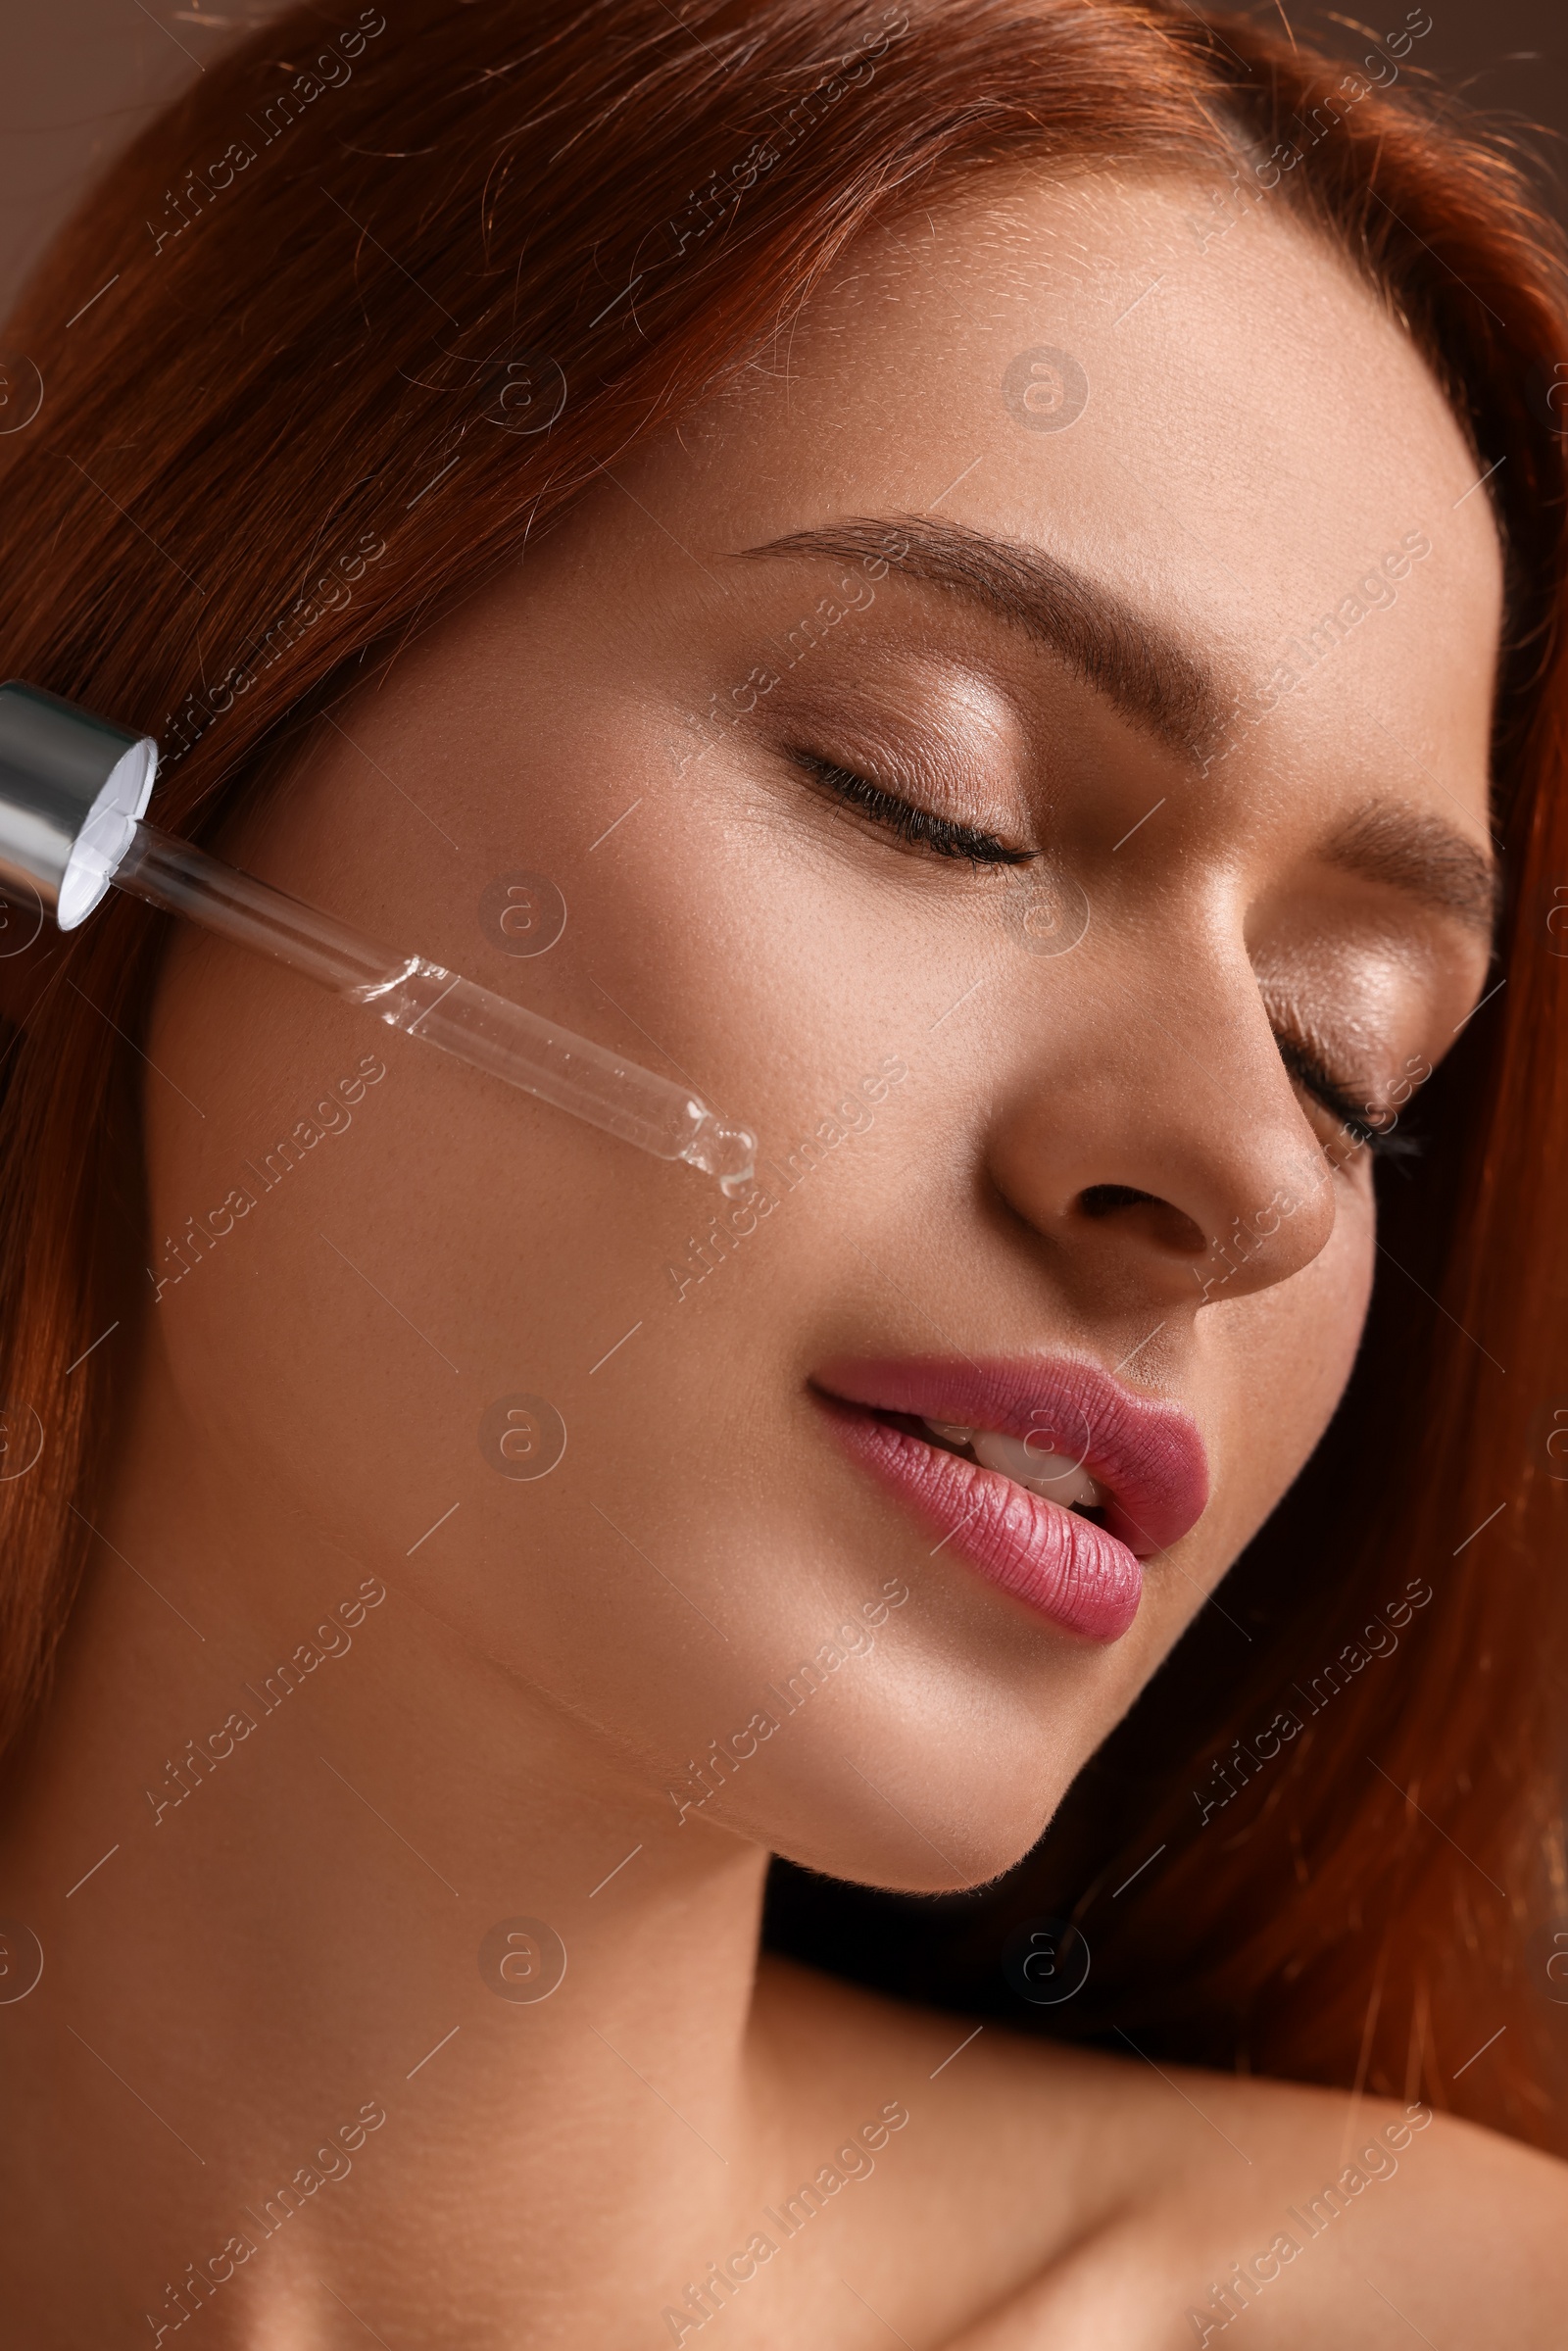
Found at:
(1311, 1075)
(919, 828)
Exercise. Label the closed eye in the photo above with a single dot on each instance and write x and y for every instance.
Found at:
(918, 827)
(941, 836)
(1360, 1124)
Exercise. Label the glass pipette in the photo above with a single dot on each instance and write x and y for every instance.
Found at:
(72, 790)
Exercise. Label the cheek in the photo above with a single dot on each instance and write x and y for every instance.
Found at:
(391, 1282)
(1283, 1357)
(354, 1355)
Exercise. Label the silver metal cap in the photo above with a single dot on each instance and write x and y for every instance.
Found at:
(71, 788)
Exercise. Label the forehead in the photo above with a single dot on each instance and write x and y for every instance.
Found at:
(1187, 396)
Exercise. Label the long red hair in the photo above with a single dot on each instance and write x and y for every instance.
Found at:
(285, 351)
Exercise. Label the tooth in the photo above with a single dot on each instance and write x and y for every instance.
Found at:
(1013, 1457)
(951, 1431)
(1056, 1476)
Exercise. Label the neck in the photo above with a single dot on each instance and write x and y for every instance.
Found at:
(357, 1925)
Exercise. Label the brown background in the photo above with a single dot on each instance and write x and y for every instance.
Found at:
(78, 77)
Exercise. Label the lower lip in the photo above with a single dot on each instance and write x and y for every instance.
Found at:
(1065, 1567)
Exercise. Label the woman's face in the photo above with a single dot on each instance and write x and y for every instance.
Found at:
(1148, 549)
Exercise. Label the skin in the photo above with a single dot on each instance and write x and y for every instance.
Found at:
(299, 1937)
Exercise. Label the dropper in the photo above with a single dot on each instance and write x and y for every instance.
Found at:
(72, 791)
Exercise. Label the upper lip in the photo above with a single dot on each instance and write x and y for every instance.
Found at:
(1144, 1452)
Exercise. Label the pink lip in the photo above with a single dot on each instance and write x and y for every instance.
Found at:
(1147, 1454)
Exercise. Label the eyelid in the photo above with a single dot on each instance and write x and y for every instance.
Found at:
(918, 827)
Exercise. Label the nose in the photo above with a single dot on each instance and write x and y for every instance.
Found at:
(1159, 1145)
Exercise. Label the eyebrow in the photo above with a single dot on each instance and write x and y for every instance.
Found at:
(1412, 851)
(1153, 678)
(1141, 670)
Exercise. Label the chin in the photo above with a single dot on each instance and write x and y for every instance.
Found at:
(942, 1816)
(918, 1857)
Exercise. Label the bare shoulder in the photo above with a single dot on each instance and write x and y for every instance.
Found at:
(1156, 2207)
(1314, 2217)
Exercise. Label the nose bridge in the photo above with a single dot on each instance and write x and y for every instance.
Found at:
(1162, 1122)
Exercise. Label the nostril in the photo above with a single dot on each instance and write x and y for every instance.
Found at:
(1100, 1199)
(1145, 1214)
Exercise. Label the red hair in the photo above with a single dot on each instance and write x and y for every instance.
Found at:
(326, 288)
